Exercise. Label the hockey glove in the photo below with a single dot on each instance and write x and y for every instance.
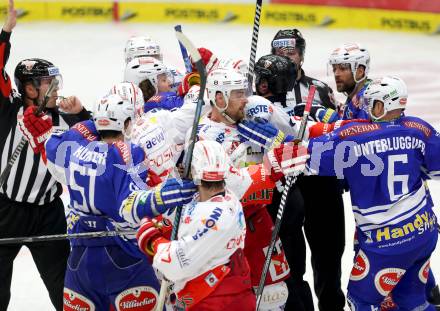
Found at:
(149, 237)
(289, 159)
(190, 79)
(261, 134)
(319, 128)
(159, 200)
(36, 129)
(317, 113)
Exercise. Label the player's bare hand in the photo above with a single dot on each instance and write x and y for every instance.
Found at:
(70, 104)
(11, 19)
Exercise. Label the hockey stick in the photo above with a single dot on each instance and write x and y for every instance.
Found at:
(195, 55)
(186, 60)
(56, 237)
(289, 182)
(253, 55)
(5, 174)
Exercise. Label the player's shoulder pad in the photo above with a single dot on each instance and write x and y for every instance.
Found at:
(85, 130)
(420, 125)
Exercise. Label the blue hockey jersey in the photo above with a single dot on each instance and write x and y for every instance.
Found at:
(99, 176)
(355, 108)
(164, 100)
(384, 164)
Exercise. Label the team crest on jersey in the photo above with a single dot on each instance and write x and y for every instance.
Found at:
(386, 279)
(361, 267)
(424, 272)
(137, 298)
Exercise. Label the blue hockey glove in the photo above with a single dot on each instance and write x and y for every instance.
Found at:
(159, 200)
(261, 134)
(318, 113)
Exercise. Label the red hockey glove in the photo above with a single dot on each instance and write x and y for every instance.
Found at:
(288, 159)
(164, 225)
(190, 79)
(34, 128)
(149, 237)
(208, 59)
(319, 128)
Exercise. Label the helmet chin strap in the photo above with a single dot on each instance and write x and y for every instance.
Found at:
(227, 117)
(223, 110)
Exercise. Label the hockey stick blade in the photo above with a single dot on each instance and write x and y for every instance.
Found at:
(197, 59)
(56, 237)
(289, 182)
(5, 174)
(186, 60)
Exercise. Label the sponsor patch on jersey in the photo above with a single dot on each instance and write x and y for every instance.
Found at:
(419, 224)
(137, 298)
(386, 279)
(236, 242)
(358, 130)
(361, 267)
(123, 150)
(85, 132)
(209, 223)
(418, 126)
(424, 272)
(72, 301)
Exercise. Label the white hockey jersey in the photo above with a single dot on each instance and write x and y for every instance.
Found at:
(209, 233)
(161, 133)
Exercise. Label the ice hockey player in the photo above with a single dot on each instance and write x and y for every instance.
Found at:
(389, 159)
(104, 175)
(350, 64)
(154, 79)
(133, 94)
(227, 95)
(206, 262)
(140, 46)
(211, 62)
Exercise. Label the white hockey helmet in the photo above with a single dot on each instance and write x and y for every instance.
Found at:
(224, 81)
(392, 91)
(141, 46)
(144, 68)
(131, 92)
(353, 54)
(111, 112)
(239, 65)
(209, 162)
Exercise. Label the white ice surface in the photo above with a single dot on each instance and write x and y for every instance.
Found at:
(90, 57)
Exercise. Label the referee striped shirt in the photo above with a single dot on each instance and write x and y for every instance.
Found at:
(29, 180)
